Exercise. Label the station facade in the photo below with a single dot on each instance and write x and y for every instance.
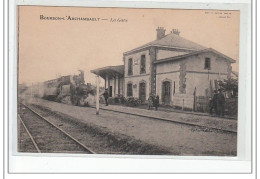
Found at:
(171, 67)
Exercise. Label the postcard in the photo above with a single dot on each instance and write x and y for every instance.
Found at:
(130, 82)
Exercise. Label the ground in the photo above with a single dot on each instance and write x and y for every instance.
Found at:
(178, 138)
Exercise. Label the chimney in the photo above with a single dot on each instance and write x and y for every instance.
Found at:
(175, 31)
(160, 33)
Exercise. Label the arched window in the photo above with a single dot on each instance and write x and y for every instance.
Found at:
(129, 89)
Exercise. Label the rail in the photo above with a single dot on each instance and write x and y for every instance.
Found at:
(61, 130)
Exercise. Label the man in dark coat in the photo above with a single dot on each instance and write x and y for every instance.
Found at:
(150, 102)
(156, 102)
(220, 103)
(105, 94)
(210, 106)
(213, 103)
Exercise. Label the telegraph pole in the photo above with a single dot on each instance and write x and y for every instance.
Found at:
(97, 95)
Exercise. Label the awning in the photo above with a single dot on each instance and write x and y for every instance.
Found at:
(110, 71)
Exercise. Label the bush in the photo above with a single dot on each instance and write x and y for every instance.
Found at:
(131, 101)
(111, 100)
(122, 100)
(117, 100)
(231, 106)
(229, 85)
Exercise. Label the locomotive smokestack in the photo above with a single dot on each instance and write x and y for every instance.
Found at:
(82, 76)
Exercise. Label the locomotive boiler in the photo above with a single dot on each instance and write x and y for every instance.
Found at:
(70, 89)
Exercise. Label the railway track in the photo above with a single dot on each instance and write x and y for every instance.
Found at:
(100, 139)
(47, 137)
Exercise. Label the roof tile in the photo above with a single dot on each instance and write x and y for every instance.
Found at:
(173, 40)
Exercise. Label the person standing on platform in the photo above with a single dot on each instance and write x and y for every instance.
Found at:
(156, 102)
(213, 103)
(150, 102)
(221, 103)
(210, 106)
(105, 94)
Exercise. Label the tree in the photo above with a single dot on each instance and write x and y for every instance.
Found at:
(229, 85)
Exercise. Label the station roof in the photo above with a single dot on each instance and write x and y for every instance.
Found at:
(172, 41)
(235, 73)
(195, 53)
(110, 71)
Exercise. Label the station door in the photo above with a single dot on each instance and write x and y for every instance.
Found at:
(166, 92)
(110, 91)
(142, 92)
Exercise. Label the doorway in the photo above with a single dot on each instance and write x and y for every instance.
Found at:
(142, 92)
(110, 91)
(166, 92)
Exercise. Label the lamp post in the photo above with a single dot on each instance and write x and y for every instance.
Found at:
(97, 94)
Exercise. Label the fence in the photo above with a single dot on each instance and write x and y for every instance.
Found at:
(202, 105)
(183, 101)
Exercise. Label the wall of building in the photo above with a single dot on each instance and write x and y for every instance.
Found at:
(172, 78)
(136, 62)
(136, 78)
(161, 54)
(196, 63)
(199, 77)
(201, 82)
(188, 74)
(135, 82)
(183, 101)
(121, 86)
(167, 67)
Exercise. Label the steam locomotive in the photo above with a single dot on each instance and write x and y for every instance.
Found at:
(70, 89)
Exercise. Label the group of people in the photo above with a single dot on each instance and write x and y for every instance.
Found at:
(217, 103)
(153, 102)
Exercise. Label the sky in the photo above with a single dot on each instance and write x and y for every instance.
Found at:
(50, 48)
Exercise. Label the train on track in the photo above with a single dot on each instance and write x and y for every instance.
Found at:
(70, 89)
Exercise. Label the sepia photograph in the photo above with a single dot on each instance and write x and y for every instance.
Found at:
(127, 81)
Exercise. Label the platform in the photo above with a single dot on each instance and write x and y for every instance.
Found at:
(187, 117)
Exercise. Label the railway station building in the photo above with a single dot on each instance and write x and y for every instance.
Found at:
(171, 66)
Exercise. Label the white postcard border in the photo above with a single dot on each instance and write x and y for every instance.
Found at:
(147, 164)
